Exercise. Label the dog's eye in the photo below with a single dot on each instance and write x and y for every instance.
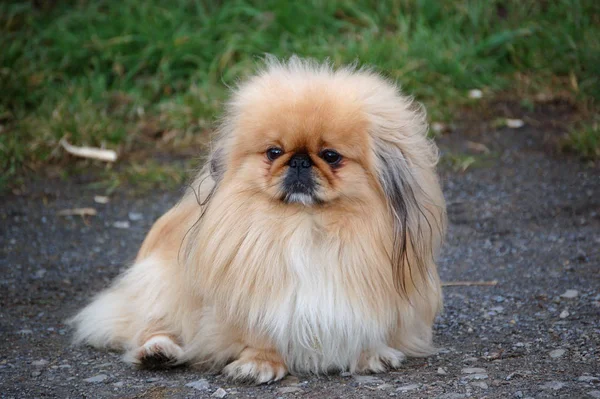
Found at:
(273, 153)
(331, 157)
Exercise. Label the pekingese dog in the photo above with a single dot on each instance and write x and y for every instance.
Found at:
(306, 244)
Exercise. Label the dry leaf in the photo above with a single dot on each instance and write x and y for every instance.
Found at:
(101, 199)
(478, 147)
(514, 123)
(89, 152)
(475, 93)
(78, 211)
(438, 127)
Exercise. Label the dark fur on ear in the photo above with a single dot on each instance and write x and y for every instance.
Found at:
(216, 164)
(204, 187)
(210, 175)
(416, 221)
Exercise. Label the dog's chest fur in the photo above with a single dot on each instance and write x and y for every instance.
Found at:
(320, 296)
(327, 319)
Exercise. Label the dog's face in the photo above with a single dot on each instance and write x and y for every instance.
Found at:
(344, 145)
(304, 145)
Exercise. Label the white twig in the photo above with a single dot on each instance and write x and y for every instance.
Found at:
(89, 152)
(78, 211)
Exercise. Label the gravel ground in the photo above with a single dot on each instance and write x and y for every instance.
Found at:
(523, 218)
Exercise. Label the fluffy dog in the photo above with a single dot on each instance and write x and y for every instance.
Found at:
(306, 244)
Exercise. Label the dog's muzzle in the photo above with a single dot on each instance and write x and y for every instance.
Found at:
(299, 183)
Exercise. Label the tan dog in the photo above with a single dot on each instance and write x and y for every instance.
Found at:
(307, 243)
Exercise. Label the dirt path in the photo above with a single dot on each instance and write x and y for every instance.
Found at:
(522, 218)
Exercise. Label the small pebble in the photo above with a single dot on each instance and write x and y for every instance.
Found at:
(441, 371)
(452, 395)
(367, 379)
(201, 385)
(96, 378)
(284, 390)
(564, 314)
(40, 273)
(39, 363)
(406, 388)
(219, 393)
(121, 224)
(588, 378)
(553, 385)
(570, 294)
(480, 384)
(515, 374)
(556, 353)
(135, 216)
(475, 377)
(472, 370)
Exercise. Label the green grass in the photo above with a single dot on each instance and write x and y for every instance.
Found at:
(144, 177)
(459, 162)
(102, 71)
(584, 141)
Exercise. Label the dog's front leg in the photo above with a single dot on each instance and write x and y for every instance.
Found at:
(256, 366)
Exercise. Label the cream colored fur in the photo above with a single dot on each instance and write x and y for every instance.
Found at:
(232, 279)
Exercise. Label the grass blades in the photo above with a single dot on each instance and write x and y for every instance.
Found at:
(584, 140)
(102, 71)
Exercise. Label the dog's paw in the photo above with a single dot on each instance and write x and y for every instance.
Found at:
(380, 360)
(256, 367)
(158, 351)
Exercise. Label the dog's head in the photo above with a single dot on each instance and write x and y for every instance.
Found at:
(303, 135)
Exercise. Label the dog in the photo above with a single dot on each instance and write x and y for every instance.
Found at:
(306, 244)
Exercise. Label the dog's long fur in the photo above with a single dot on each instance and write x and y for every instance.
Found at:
(233, 277)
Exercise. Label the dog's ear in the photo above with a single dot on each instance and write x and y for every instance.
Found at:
(418, 222)
(216, 164)
(209, 177)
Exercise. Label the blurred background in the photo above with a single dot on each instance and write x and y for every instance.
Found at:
(137, 76)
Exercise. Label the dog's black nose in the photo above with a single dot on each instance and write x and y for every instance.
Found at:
(299, 161)
(299, 177)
